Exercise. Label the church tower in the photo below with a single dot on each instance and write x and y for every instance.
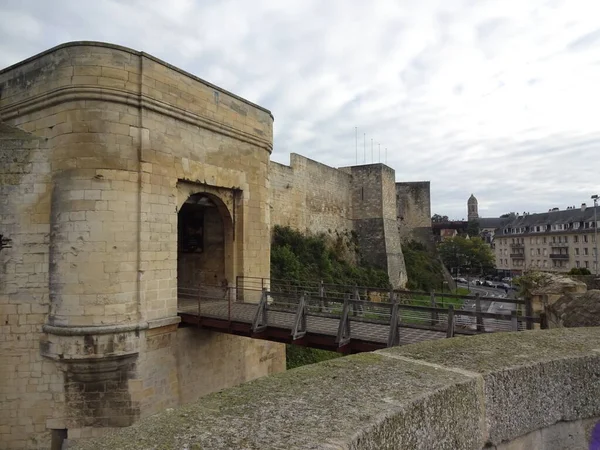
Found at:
(472, 212)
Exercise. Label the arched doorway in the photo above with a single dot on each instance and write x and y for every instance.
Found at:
(205, 243)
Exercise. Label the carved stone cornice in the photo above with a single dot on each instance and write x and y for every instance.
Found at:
(125, 97)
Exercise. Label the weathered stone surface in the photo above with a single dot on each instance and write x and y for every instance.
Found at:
(531, 379)
(508, 390)
(560, 436)
(575, 310)
(312, 197)
(100, 146)
(366, 401)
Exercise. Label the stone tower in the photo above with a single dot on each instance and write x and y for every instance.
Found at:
(124, 182)
(472, 212)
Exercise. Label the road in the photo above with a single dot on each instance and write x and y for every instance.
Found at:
(489, 305)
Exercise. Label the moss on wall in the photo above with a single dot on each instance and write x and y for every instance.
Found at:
(424, 269)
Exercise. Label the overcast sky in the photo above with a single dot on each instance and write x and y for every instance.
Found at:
(496, 98)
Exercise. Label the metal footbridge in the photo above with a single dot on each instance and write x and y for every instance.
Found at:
(347, 319)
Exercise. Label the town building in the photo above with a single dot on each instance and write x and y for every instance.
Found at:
(555, 241)
(487, 225)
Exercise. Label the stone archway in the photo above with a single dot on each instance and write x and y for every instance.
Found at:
(204, 243)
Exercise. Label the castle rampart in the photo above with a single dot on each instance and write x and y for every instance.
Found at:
(503, 391)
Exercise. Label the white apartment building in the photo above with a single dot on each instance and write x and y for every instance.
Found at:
(556, 241)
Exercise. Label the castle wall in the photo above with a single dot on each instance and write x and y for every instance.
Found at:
(414, 211)
(374, 208)
(89, 288)
(310, 196)
(315, 198)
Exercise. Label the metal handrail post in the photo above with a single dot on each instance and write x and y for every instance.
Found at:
(450, 324)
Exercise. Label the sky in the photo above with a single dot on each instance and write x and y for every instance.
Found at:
(496, 98)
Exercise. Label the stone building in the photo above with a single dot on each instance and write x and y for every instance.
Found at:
(556, 241)
(106, 156)
(125, 181)
(472, 208)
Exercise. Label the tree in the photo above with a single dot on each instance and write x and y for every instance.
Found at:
(510, 215)
(436, 218)
(466, 254)
(579, 271)
(473, 228)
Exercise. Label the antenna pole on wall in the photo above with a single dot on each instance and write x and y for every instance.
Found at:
(356, 141)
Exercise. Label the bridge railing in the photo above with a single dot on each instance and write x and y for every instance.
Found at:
(285, 305)
(405, 297)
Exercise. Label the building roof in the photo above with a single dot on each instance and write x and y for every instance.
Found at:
(492, 222)
(567, 216)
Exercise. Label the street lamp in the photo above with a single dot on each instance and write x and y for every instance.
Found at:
(595, 198)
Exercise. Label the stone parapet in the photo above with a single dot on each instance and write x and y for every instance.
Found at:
(536, 389)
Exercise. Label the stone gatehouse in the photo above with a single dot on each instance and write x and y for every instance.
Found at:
(123, 181)
(119, 175)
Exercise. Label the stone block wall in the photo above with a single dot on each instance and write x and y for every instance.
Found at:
(310, 196)
(102, 140)
(504, 391)
(315, 198)
(414, 211)
(374, 208)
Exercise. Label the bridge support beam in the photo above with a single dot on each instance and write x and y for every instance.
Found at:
(259, 324)
(343, 334)
(299, 328)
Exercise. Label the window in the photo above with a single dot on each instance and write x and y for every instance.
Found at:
(545, 263)
(576, 226)
(531, 240)
(577, 251)
(585, 251)
(587, 265)
(531, 252)
(538, 252)
(537, 241)
(566, 239)
(585, 238)
(554, 239)
(545, 252)
(576, 239)
(544, 240)
(577, 264)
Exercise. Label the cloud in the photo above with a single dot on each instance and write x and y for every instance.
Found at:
(493, 98)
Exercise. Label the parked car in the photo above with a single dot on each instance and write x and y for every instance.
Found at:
(475, 282)
(461, 280)
(489, 283)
